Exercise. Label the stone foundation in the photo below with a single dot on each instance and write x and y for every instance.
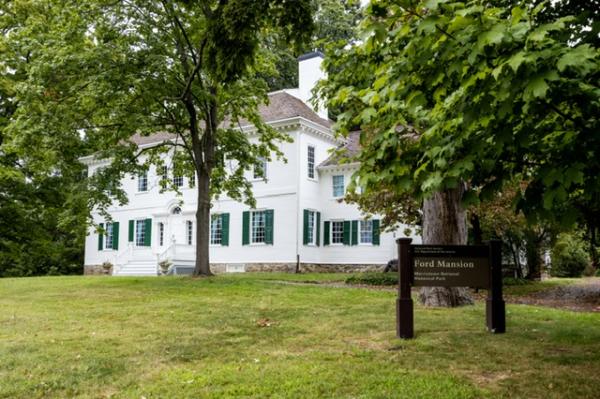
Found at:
(291, 267)
(98, 270)
(95, 270)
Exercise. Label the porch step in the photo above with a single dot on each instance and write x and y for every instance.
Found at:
(138, 268)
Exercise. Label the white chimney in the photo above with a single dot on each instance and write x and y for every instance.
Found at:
(309, 73)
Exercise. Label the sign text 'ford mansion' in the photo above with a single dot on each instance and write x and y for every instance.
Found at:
(451, 266)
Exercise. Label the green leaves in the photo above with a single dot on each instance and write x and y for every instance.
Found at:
(582, 58)
(492, 94)
(537, 87)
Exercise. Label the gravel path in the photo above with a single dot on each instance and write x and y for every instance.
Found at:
(583, 296)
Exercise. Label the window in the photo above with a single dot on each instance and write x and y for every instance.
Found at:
(257, 227)
(164, 173)
(192, 180)
(311, 162)
(311, 227)
(178, 181)
(108, 239)
(142, 182)
(260, 170)
(338, 186)
(190, 231)
(216, 230)
(161, 234)
(337, 232)
(140, 233)
(366, 232)
(176, 211)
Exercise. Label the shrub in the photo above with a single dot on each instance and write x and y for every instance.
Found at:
(515, 281)
(373, 279)
(569, 256)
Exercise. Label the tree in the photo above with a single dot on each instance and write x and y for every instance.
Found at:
(109, 70)
(498, 218)
(43, 214)
(335, 21)
(486, 94)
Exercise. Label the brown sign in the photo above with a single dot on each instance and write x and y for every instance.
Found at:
(450, 266)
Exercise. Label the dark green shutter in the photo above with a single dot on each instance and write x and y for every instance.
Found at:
(269, 226)
(131, 230)
(355, 232)
(326, 233)
(318, 229)
(101, 238)
(305, 235)
(375, 231)
(246, 228)
(225, 229)
(115, 240)
(148, 232)
(346, 237)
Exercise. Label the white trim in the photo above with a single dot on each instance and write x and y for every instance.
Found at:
(339, 167)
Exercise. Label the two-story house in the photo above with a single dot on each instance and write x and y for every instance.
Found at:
(300, 220)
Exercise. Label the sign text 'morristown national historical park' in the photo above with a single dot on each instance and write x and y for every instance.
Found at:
(451, 266)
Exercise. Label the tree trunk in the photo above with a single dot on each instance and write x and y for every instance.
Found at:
(445, 223)
(533, 253)
(202, 267)
(476, 229)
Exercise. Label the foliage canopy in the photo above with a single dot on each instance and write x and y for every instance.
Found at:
(480, 91)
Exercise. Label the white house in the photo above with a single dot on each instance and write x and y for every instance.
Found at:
(300, 219)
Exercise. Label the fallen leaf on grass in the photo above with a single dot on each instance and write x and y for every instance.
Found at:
(264, 322)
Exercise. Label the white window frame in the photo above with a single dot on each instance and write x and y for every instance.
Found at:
(189, 232)
(333, 186)
(140, 234)
(311, 163)
(192, 180)
(369, 230)
(178, 181)
(331, 231)
(312, 227)
(265, 169)
(142, 182)
(108, 237)
(254, 241)
(216, 230)
(161, 234)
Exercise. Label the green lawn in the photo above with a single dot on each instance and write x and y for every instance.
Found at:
(178, 337)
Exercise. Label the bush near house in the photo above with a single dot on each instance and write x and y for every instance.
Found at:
(569, 256)
(373, 279)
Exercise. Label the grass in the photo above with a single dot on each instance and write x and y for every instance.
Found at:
(250, 336)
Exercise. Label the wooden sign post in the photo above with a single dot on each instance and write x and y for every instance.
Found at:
(476, 266)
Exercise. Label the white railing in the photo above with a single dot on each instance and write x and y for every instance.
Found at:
(119, 258)
(167, 255)
(175, 252)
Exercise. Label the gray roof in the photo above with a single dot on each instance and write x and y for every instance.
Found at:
(346, 152)
(281, 105)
